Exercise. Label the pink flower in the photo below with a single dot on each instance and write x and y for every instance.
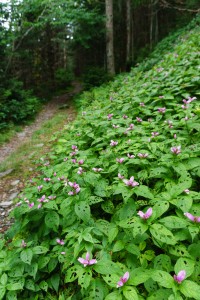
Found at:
(109, 116)
(31, 204)
(97, 169)
(175, 136)
(176, 150)
(146, 215)
(61, 242)
(74, 147)
(113, 143)
(39, 205)
(187, 191)
(192, 218)
(143, 155)
(115, 126)
(162, 110)
(138, 119)
(73, 153)
(155, 133)
(131, 126)
(161, 97)
(87, 261)
(131, 182)
(184, 106)
(81, 162)
(123, 280)
(47, 179)
(73, 160)
(180, 276)
(120, 160)
(130, 155)
(65, 159)
(76, 188)
(142, 104)
(39, 187)
(23, 244)
(80, 171)
(63, 253)
(43, 199)
(120, 176)
(125, 117)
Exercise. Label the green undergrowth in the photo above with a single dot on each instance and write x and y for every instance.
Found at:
(115, 213)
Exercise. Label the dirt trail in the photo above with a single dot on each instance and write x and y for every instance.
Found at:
(10, 185)
(48, 111)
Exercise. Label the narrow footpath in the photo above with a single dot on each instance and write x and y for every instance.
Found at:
(10, 185)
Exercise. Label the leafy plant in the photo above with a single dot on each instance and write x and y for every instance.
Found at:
(115, 212)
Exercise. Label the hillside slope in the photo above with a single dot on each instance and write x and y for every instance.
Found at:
(115, 213)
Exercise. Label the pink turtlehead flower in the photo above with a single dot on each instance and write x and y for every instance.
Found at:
(39, 205)
(120, 176)
(43, 199)
(74, 147)
(192, 218)
(39, 187)
(143, 155)
(87, 261)
(18, 203)
(109, 116)
(74, 160)
(176, 150)
(73, 153)
(83, 113)
(97, 169)
(184, 106)
(80, 171)
(31, 204)
(130, 155)
(61, 178)
(113, 143)
(52, 197)
(187, 191)
(76, 188)
(180, 276)
(138, 119)
(120, 160)
(162, 110)
(131, 126)
(145, 215)
(155, 133)
(61, 242)
(47, 179)
(131, 182)
(123, 280)
(115, 126)
(125, 117)
(161, 97)
(142, 104)
(65, 159)
(175, 136)
(81, 162)
(23, 244)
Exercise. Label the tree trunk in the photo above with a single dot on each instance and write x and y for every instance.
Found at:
(109, 37)
(128, 35)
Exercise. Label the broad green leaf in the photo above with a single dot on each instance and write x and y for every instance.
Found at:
(14, 286)
(106, 267)
(26, 256)
(40, 250)
(72, 274)
(185, 264)
(113, 231)
(29, 284)
(183, 202)
(162, 234)
(84, 277)
(139, 228)
(190, 289)
(32, 269)
(43, 285)
(114, 296)
(4, 279)
(162, 262)
(55, 280)
(2, 292)
(139, 275)
(118, 246)
(97, 290)
(130, 293)
(161, 294)
(52, 264)
(144, 191)
(111, 279)
(11, 295)
(174, 222)
(52, 220)
(82, 210)
(128, 223)
(108, 207)
(160, 208)
(163, 278)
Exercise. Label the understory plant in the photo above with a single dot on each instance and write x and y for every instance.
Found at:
(114, 213)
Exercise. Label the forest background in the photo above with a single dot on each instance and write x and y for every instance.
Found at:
(45, 44)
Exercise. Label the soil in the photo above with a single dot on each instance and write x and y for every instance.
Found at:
(10, 185)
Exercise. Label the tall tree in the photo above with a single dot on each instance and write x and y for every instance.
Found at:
(109, 37)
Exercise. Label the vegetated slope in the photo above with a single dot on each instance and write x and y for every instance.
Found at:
(115, 213)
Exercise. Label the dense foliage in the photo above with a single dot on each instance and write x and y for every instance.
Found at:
(115, 212)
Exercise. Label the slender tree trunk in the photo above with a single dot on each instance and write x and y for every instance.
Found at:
(128, 32)
(109, 37)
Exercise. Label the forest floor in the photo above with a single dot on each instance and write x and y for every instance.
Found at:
(18, 154)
